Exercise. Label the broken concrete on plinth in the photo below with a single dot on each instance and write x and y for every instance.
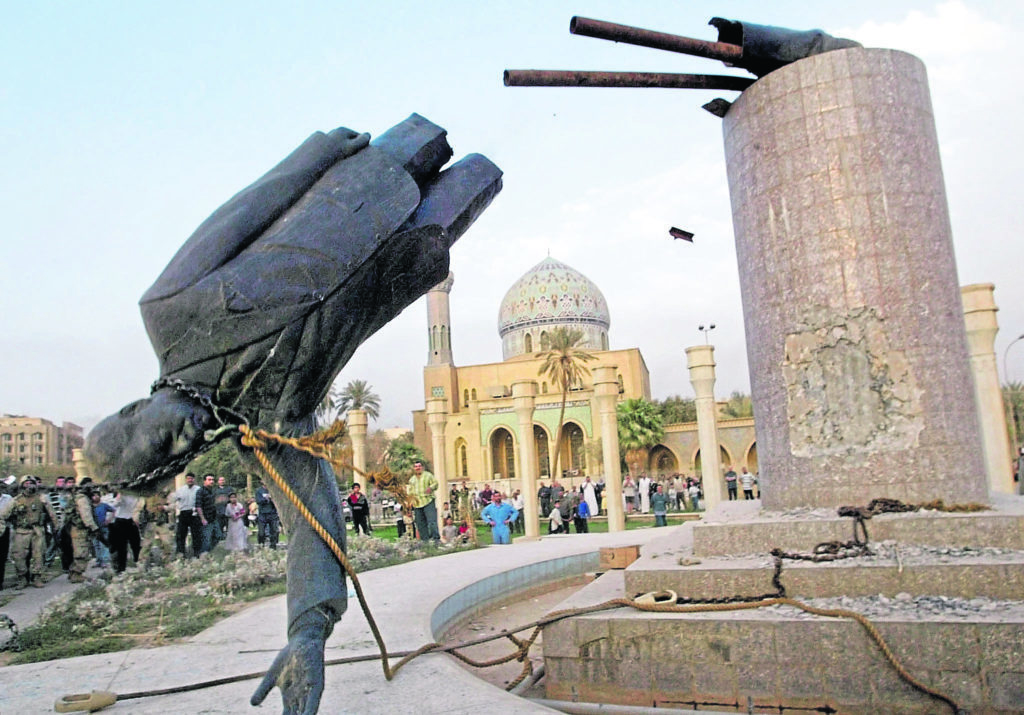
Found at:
(862, 389)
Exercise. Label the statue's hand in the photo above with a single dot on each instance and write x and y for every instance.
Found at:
(298, 670)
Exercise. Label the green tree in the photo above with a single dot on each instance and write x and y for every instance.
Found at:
(222, 460)
(738, 405)
(677, 410)
(640, 428)
(401, 455)
(565, 365)
(1013, 399)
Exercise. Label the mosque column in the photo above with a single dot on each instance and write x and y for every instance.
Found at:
(701, 362)
(606, 396)
(356, 423)
(437, 420)
(524, 394)
(78, 460)
(980, 317)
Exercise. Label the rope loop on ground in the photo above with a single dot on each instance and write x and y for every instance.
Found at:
(318, 443)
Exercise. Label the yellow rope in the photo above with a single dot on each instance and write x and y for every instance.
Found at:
(257, 441)
(318, 445)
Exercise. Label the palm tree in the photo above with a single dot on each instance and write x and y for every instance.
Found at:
(358, 395)
(564, 365)
(640, 428)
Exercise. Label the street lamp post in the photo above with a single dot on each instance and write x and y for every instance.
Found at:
(711, 327)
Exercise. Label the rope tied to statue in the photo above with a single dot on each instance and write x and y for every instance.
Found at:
(321, 445)
(318, 444)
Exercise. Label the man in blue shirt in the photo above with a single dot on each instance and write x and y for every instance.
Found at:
(499, 515)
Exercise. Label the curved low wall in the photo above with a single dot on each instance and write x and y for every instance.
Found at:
(487, 592)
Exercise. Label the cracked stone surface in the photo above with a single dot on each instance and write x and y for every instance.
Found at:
(854, 324)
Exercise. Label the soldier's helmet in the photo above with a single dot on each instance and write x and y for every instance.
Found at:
(28, 478)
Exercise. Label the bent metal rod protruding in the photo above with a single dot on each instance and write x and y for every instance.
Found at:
(662, 80)
(602, 30)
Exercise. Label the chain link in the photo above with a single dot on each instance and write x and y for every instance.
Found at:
(836, 550)
(227, 422)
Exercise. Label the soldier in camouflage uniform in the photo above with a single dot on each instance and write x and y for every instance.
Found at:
(82, 527)
(158, 536)
(27, 514)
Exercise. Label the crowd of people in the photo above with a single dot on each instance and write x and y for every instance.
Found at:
(80, 522)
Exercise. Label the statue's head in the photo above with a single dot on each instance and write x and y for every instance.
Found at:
(145, 435)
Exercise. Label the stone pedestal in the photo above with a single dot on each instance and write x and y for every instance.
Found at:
(982, 326)
(701, 361)
(524, 394)
(855, 337)
(606, 396)
(356, 422)
(437, 420)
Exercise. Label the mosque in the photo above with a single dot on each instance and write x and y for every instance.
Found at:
(475, 414)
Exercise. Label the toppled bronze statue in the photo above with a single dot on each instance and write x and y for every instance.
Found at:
(260, 309)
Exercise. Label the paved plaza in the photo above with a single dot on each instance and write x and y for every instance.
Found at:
(410, 602)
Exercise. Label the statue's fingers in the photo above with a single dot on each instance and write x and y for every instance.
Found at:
(270, 679)
(316, 691)
(244, 217)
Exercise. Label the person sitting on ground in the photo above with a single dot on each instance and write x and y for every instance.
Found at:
(449, 533)
(464, 531)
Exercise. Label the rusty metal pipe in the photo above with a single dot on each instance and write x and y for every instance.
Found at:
(661, 80)
(657, 40)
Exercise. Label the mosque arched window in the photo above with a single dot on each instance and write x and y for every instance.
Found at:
(604, 340)
(529, 343)
(540, 440)
(472, 394)
(503, 455)
(465, 397)
(545, 341)
(461, 458)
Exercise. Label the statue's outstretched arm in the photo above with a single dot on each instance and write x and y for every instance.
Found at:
(261, 308)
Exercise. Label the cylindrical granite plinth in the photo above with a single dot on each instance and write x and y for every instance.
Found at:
(855, 335)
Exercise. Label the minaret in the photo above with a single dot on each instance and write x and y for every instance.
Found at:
(439, 323)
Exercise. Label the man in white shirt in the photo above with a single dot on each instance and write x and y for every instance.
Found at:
(184, 499)
(747, 482)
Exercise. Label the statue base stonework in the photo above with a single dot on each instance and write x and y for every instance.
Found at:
(856, 342)
(940, 589)
(862, 390)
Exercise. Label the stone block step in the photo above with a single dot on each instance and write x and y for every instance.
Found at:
(764, 531)
(894, 569)
(783, 660)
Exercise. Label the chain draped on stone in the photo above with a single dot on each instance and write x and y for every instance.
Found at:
(321, 445)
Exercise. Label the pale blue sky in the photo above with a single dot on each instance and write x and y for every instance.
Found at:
(125, 124)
